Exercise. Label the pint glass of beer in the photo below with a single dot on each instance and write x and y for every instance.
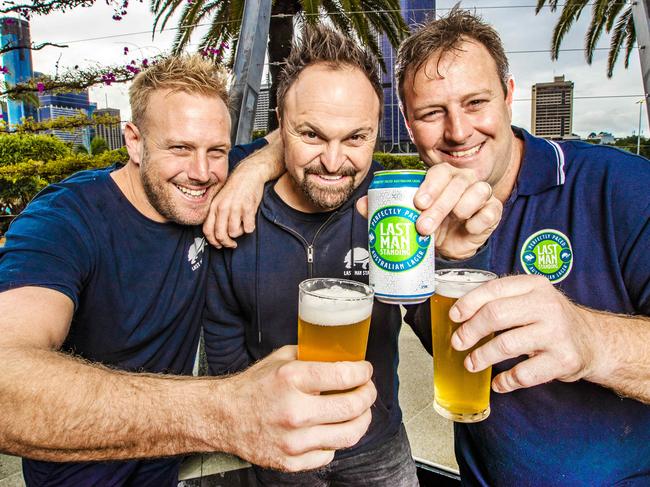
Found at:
(333, 319)
(459, 395)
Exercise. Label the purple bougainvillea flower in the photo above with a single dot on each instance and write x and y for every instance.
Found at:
(40, 87)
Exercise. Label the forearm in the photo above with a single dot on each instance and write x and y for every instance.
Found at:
(621, 354)
(78, 411)
(268, 162)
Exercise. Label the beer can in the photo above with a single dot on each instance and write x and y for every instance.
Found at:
(402, 262)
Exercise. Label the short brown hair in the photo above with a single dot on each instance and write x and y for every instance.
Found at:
(322, 44)
(444, 35)
(190, 74)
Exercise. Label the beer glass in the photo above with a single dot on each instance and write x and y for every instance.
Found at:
(333, 319)
(459, 395)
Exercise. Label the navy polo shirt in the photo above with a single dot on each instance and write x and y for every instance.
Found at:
(579, 215)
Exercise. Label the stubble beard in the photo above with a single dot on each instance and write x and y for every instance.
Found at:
(327, 198)
(158, 194)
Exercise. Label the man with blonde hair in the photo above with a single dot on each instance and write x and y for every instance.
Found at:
(102, 284)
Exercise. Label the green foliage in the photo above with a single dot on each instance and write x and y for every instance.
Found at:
(98, 145)
(613, 17)
(258, 134)
(630, 143)
(67, 123)
(19, 182)
(16, 148)
(397, 161)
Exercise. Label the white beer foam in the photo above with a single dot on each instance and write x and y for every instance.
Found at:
(455, 285)
(319, 308)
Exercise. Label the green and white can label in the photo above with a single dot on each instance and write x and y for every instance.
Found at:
(402, 262)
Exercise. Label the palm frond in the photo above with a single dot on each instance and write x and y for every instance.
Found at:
(619, 34)
(596, 27)
(570, 13)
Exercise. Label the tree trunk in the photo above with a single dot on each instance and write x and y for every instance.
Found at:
(280, 36)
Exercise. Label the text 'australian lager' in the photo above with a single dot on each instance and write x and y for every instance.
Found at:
(333, 320)
(459, 395)
(402, 262)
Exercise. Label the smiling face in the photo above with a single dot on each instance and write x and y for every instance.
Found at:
(457, 113)
(329, 127)
(182, 154)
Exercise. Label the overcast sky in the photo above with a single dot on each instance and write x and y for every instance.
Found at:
(520, 28)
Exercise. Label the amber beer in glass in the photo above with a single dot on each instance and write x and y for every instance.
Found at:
(333, 319)
(459, 395)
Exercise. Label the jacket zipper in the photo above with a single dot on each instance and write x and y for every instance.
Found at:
(308, 246)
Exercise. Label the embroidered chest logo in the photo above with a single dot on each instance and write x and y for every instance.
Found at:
(195, 254)
(360, 265)
(547, 253)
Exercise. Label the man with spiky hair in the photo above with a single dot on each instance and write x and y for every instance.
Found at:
(102, 286)
(329, 107)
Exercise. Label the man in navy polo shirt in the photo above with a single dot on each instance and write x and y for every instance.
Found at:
(571, 361)
(102, 279)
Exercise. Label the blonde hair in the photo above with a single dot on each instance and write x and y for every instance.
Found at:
(189, 74)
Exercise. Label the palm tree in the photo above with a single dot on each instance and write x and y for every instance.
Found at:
(610, 16)
(360, 18)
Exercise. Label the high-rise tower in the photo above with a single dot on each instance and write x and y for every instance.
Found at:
(393, 136)
(17, 63)
(552, 109)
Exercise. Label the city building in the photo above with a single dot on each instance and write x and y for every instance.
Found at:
(53, 105)
(393, 136)
(552, 109)
(111, 133)
(17, 64)
(262, 109)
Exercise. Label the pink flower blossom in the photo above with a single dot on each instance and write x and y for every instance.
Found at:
(40, 87)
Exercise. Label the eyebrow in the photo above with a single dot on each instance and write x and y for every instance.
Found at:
(319, 131)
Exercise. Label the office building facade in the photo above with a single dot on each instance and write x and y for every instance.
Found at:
(111, 133)
(552, 109)
(53, 105)
(262, 110)
(393, 136)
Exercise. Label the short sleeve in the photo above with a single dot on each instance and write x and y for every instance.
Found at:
(47, 246)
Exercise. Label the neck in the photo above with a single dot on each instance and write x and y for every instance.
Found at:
(504, 187)
(130, 184)
(289, 192)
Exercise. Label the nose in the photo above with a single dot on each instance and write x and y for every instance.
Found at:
(458, 127)
(199, 168)
(332, 157)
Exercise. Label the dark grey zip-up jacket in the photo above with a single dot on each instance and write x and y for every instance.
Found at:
(252, 298)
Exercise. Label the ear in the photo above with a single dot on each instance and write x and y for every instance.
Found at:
(406, 122)
(510, 85)
(277, 115)
(134, 142)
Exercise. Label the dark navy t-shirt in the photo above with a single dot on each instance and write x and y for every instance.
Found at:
(138, 287)
(580, 215)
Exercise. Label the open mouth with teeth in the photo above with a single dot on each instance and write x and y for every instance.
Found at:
(464, 153)
(192, 193)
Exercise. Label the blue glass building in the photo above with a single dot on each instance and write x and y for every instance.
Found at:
(17, 64)
(393, 136)
(53, 105)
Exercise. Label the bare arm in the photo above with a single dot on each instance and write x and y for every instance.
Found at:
(59, 408)
(233, 210)
(564, 341)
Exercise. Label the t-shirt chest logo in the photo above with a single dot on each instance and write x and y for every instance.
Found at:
(547, 253)
(360, 265)
(195, 254)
